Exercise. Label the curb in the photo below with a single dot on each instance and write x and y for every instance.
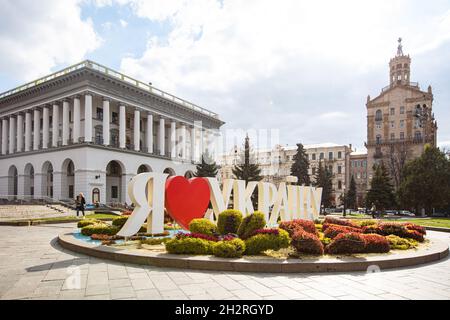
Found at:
(437, 251)
(27, 223)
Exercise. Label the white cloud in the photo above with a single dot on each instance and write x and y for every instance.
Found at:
(35, 36)
(123, 23)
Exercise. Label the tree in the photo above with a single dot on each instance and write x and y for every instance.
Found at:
(247, 170)
(323, 179)
(426, 181)
(300, 166)
(350, 197)
(207, 168)
(396, 160)
(381, 191)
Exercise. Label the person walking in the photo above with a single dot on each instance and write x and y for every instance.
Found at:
(80, 203)
(373, 210)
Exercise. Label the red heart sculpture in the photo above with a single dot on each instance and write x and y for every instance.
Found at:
(186, 199)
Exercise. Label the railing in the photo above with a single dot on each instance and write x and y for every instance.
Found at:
(105, 70)
(411, 84)
(390, 141)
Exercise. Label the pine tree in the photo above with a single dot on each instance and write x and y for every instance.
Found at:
(323, 179)
(207, 168)
(247, 170)
(381, 191)
(350, 197)
(300, 166)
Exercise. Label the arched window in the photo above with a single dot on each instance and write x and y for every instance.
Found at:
(378, 115)
(96, 195)
(378, 138)
(418, 135)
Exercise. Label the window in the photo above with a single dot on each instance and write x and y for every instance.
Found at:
(358, 175)
(392, 136)
(313, 156)
(418, 135)
(392, 111)
(402, 135)
(402, 123)
(416, 123)
(330, 168)
(114, 192)
(339, 169)
(115, 117)
(378, 139)
(392, 124)
(99, 113)
(364, 163)
(378, 115)
(402, 110)
(313, 170)
(340, 155)
(330, 155)
(339, 184)
(321, 155)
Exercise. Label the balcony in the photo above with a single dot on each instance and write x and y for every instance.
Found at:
(372, 143)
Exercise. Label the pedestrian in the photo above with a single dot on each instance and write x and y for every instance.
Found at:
(80, 203)
(373, 210)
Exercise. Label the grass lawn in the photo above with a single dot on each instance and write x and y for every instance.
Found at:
(430, 222)
(71, 218)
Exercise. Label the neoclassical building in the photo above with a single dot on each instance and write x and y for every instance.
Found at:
(400, 121)
(90, 129)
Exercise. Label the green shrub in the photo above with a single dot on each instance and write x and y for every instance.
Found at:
(229, 221)
(398, 243)
(306, 242)
(229, 249)
(154, 241)
(203, 226)
(251, 223)
(365, 223)
(325, 241)
(267, 241)
(189, 245)
(120, 221)
(99, 229)
(88, 222)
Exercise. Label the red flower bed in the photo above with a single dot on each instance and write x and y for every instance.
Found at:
(345, 243)
(292, 226)
(400, 230)
(341, 222)
(376, 243)
(182, 235)
(371, 229)
(415, 227)
(306, 242)
(332, 230)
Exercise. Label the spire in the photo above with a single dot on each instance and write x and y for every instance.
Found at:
(400, 47)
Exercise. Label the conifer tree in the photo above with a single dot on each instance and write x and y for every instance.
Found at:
(381, 191)
(300, 166)
(247, 170)
(323, 179)
(207, 168)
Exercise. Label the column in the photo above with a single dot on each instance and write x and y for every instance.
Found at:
(173, 139)
(12, 135)
(193, 155)
(19, 133)
(122, 127)
(27, 131)
(65, 123)
(183, 142)
(37, 129)
(202, 143)
(149, 132)
(162, 138)
(5, 136)
(55, 125)
(45, 128)
(106, 121)
(137, 130)
(88, 118)
(76, 120)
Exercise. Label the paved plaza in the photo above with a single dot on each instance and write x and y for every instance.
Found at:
(34, 266)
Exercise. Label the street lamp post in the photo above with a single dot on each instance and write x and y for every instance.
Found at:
(343, 188)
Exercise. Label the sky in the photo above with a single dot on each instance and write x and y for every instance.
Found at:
(304, 68)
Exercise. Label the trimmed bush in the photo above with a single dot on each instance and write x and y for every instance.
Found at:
(376, 243)
(397, 243)
(366, 223)
(229, 249)
(208, 237)
(119, 221)
(400, 230)
(415, 227)
(88, 222)
(267, 241)
(203, 226)
(332, 230)
(292, 226)
(306, 242)
(346, 243)
(341, 222)
(251, 223)
(154, 241)
(229, 221)
(189, 245)
(371, 229)
(99, 229)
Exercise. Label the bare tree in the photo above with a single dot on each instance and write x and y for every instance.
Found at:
(396, 161)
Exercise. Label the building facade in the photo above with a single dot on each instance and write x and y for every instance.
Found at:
(400, 121)
(276, 163)
(358, 170)
(90, 129)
